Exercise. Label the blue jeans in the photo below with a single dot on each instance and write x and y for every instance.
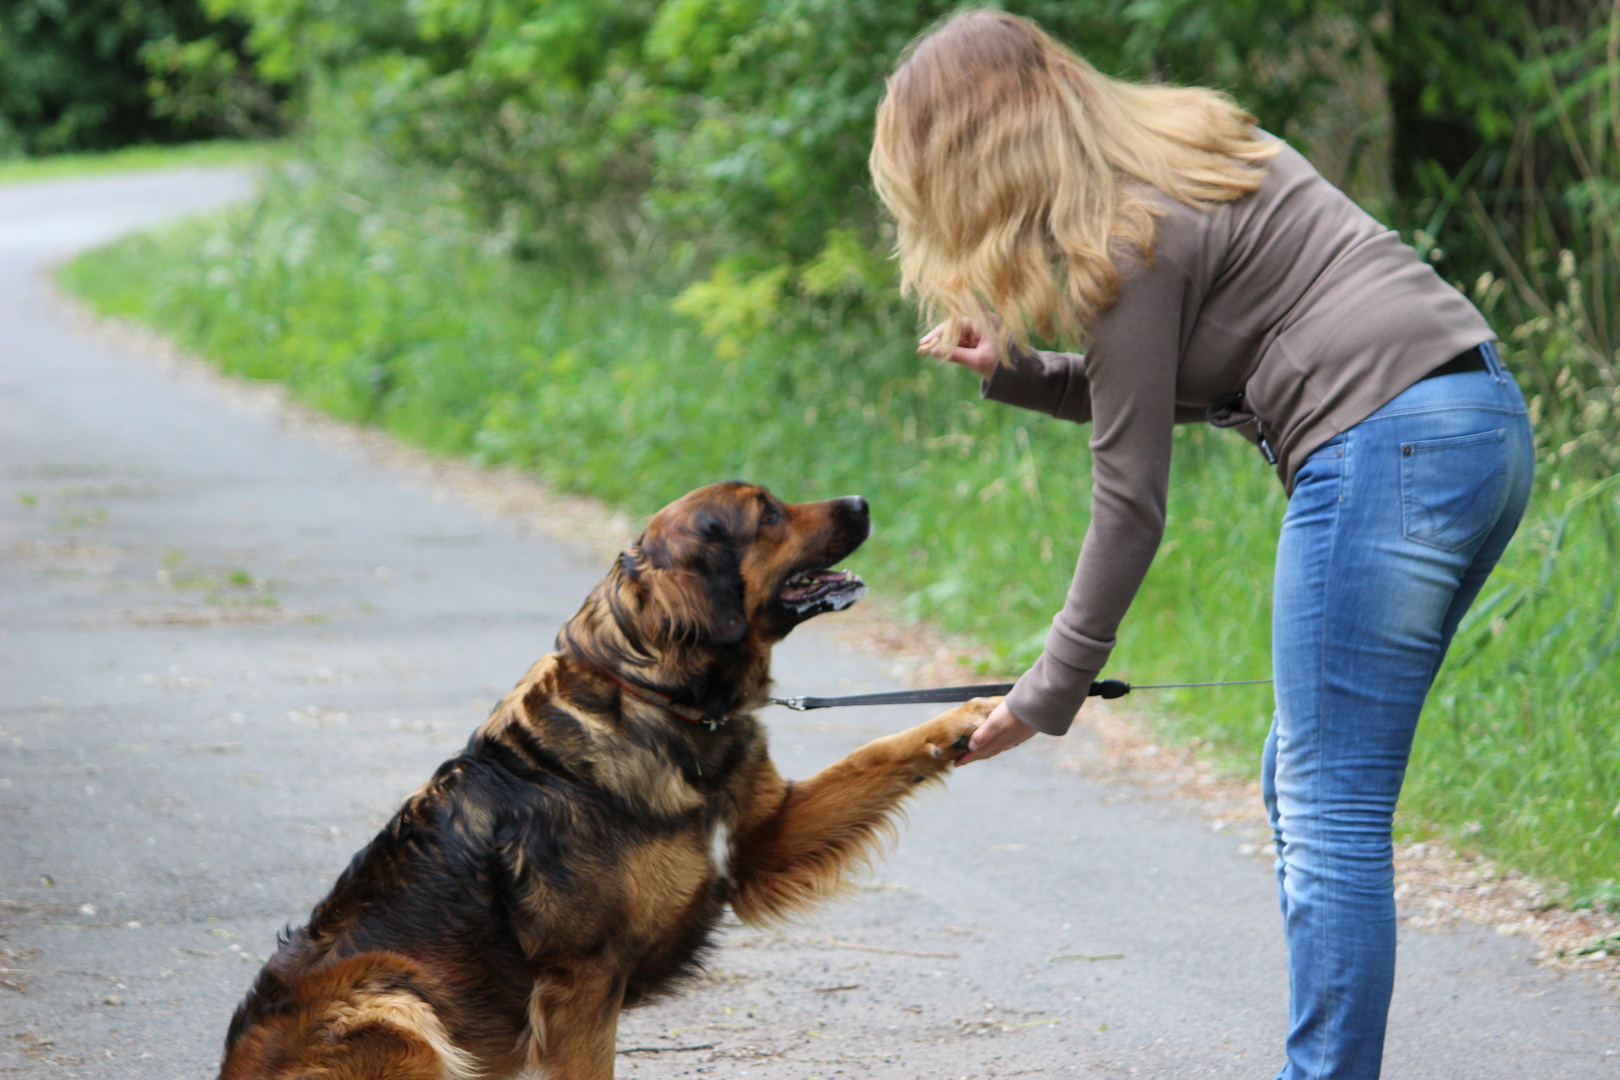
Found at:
(1391, 530)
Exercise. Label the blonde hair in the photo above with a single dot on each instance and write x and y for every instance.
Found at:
(1017, 173)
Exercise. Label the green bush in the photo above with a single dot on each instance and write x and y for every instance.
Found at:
(725, 140)
(713, 129)
(98, 74)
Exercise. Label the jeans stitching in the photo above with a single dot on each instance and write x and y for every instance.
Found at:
(1327, 898)
(1329, 1002)
(1457, 405)
(1409, 529)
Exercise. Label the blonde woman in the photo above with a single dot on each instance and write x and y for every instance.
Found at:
(1212, 274)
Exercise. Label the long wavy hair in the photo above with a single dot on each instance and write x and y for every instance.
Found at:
(1018, 174)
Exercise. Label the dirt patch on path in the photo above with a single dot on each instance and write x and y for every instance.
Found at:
(1437, 886)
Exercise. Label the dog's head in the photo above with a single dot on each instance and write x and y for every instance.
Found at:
(730, 561)
(718, 576)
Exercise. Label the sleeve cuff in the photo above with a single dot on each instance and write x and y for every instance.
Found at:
(1051, 692)
(1073, 649)
(1050, 383)
(1049, 695)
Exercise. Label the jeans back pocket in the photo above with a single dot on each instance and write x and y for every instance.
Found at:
(1453, 490)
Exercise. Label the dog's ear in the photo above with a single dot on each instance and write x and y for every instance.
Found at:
(697, 606)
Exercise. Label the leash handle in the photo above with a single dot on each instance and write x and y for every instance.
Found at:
(1103, 688)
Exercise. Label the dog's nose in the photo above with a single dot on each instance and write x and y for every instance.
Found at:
(857, 506)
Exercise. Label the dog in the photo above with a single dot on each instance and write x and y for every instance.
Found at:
(576, 857)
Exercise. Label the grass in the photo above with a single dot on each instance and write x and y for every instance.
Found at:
(400, 319)
(197, 154)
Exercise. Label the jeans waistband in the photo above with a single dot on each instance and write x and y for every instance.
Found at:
(1489, 388)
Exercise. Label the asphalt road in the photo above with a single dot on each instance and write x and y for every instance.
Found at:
(227, 650)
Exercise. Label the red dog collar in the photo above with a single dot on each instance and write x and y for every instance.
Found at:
(662, 701)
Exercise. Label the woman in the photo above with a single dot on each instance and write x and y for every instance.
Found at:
(1213, 274)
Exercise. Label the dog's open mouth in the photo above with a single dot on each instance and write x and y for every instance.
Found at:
(833, 590)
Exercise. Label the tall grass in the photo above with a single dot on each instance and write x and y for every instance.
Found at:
(1546, 215)
(18, 170)
(373, 301)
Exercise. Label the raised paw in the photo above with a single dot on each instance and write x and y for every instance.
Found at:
(947, 734)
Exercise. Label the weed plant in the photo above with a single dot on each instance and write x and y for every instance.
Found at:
(378, 304)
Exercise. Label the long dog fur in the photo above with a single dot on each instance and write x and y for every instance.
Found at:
(559, 869)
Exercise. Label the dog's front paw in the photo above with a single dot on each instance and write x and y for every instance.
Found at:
(946, 735)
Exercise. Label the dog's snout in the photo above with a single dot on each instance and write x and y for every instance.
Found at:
(857, 506)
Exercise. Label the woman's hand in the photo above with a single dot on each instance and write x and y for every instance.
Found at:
(974, 350)
(1000, 731)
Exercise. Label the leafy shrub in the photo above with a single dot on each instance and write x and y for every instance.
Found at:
(1553, 240)
(712, 129)
(95, 74)
(726, 139)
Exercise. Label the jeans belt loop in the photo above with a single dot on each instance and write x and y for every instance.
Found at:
(1493, 360)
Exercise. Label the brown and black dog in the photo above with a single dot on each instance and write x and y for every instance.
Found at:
(563, 866)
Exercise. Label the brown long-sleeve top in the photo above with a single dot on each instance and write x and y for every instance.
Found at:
(1294, 298)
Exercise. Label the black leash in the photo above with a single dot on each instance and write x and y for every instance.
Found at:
(1103, 688)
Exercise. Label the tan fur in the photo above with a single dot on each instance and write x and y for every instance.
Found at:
(657, 877)
(575, 1017)
(344, 1026)
(800, 843)
(410, 1016)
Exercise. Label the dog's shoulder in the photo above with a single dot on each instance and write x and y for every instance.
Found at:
(562, 720)
(565, 718)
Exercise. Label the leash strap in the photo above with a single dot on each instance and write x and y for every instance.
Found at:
(1103, 688)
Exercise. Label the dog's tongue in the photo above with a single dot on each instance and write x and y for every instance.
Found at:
(819, 580)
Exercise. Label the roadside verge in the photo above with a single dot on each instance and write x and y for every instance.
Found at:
(1437, 886)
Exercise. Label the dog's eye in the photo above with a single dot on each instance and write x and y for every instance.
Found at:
(771, 515)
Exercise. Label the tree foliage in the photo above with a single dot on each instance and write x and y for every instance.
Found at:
(738, 128)
(728, 138)
(95, 74)
(746, 122)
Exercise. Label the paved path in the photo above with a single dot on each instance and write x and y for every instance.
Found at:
(226, 651)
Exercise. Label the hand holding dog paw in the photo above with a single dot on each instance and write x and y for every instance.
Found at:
(1000, 731)
(946, 736)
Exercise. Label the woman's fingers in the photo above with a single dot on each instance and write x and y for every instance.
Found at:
(930, 341)
(972, 349)
(1000, 731)
(967, 338)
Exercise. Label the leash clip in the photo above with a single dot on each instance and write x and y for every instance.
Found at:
(795, 703)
